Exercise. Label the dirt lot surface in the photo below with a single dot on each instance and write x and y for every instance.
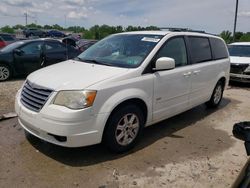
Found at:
(193, 149)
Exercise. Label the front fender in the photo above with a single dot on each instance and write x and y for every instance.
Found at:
(121, 96)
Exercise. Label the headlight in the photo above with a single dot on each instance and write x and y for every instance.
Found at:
(75, 99)
(247, 69)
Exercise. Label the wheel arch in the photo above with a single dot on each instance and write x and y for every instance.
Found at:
(137, 101)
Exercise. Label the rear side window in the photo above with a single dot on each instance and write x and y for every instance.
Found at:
(218, 48)
(54, 47)
(200, 49)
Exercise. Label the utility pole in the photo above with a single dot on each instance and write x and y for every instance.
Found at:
(26, 18)
(235, 19)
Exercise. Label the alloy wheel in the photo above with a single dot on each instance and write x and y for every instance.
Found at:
(127, 129)
(4, 73)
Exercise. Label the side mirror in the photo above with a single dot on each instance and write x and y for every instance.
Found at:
(18, 52)
(164, 63)
(242, 131)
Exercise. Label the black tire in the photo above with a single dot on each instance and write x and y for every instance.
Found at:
(217, 95)
(5, 72)
(110, 137)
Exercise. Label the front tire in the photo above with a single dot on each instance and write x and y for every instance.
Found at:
(124, 128)
(5, 73)
(216, 97)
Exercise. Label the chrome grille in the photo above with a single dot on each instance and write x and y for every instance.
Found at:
(34, 97)
(238, 68)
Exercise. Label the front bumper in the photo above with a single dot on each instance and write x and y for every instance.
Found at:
(62, 126)
(240, 77)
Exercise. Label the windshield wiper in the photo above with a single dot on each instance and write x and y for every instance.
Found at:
(96, 62)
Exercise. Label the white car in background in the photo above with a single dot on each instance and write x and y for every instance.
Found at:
(121, 84)
(240, 61)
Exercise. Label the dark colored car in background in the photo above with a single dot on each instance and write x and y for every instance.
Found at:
(33, 32)
(6, 39)
(24, 57)
(55, 33)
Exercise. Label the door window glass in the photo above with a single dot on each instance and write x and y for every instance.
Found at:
(200, 48)
(219, 48)
(175, 48)
(32, 48)
(54, 46)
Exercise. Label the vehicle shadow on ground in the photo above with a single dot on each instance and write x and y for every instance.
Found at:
(91, 155)
(239, 85)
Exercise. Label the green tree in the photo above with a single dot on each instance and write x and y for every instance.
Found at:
(7, 29)
(227, 36)
(245, 38)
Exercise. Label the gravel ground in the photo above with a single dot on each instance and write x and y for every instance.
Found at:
(193, 149)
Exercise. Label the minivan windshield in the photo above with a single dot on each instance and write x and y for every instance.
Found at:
(121, 50)
(239, 50)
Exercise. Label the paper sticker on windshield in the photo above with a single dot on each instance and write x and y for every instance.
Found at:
(148, 39)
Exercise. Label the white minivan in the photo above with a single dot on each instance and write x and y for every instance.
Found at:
(121, 84)
(240, 61)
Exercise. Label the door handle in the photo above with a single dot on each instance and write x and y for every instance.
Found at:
(187, 74)
(197, 72)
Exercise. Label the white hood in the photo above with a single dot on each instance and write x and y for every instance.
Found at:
(73, 75)
(239, 60)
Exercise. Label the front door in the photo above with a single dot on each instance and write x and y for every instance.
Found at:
(30, 57)
(172, 87)
(55, 52)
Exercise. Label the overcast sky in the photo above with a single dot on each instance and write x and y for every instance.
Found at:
(210, 15)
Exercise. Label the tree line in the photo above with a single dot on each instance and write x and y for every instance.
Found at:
(99, 32)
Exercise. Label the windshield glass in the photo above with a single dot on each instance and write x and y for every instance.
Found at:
(12, 46)
(239, 50)
(124, 50)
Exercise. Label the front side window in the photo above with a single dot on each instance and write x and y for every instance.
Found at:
(32, 48)
(200, 49)
(122, 50)
(174, 48)
(239, 50)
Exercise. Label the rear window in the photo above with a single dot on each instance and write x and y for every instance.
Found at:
(200, 49)
(218, 48)
(7, 38)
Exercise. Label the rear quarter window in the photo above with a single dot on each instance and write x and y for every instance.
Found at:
(219, 48)
(200, 49)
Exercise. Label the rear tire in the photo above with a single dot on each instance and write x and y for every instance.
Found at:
(5, 73)
(217, 95)
(124, 128)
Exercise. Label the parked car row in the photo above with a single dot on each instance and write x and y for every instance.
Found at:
(239, 52)
(34, 32)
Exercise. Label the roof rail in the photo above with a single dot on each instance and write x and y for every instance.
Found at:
(181, 29)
